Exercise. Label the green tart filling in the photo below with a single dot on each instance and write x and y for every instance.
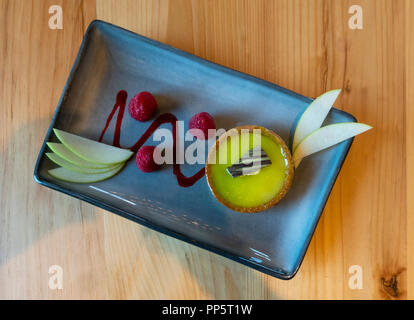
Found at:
(249, 191)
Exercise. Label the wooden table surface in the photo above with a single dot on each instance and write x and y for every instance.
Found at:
(303, 45)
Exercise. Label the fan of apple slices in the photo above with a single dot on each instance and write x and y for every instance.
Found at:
(82, 160)
(310, 137)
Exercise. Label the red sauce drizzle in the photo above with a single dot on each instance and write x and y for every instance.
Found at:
(120, 103)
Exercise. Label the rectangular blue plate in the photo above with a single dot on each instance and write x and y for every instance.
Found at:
(110, 59)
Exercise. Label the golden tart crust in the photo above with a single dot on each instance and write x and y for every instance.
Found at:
(211, 157)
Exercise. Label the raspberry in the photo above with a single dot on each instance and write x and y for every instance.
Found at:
(201, 121)
(145, 159)
(142, 106)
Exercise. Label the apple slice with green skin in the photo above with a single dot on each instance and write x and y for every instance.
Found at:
(314, 115)
(91, 150)
(326, 137)
(70, 166)
(63, 152)
(77, 177)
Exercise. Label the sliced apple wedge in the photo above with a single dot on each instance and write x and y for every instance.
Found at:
(77, 177)
(63, 152)
(326, 137)
(91, 150)
(314, 115)
(70, 166)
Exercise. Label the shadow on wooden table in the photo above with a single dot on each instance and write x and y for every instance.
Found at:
(30, 212)
(188, 272)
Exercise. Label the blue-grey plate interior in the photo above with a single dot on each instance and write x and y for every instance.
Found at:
(111, 59)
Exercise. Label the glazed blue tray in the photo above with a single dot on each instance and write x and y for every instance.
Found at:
(110, 59)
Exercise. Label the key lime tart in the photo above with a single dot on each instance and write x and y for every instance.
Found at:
(249, 169)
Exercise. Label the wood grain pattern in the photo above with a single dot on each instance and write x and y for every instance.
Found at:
(304, 45)
(409, 102)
